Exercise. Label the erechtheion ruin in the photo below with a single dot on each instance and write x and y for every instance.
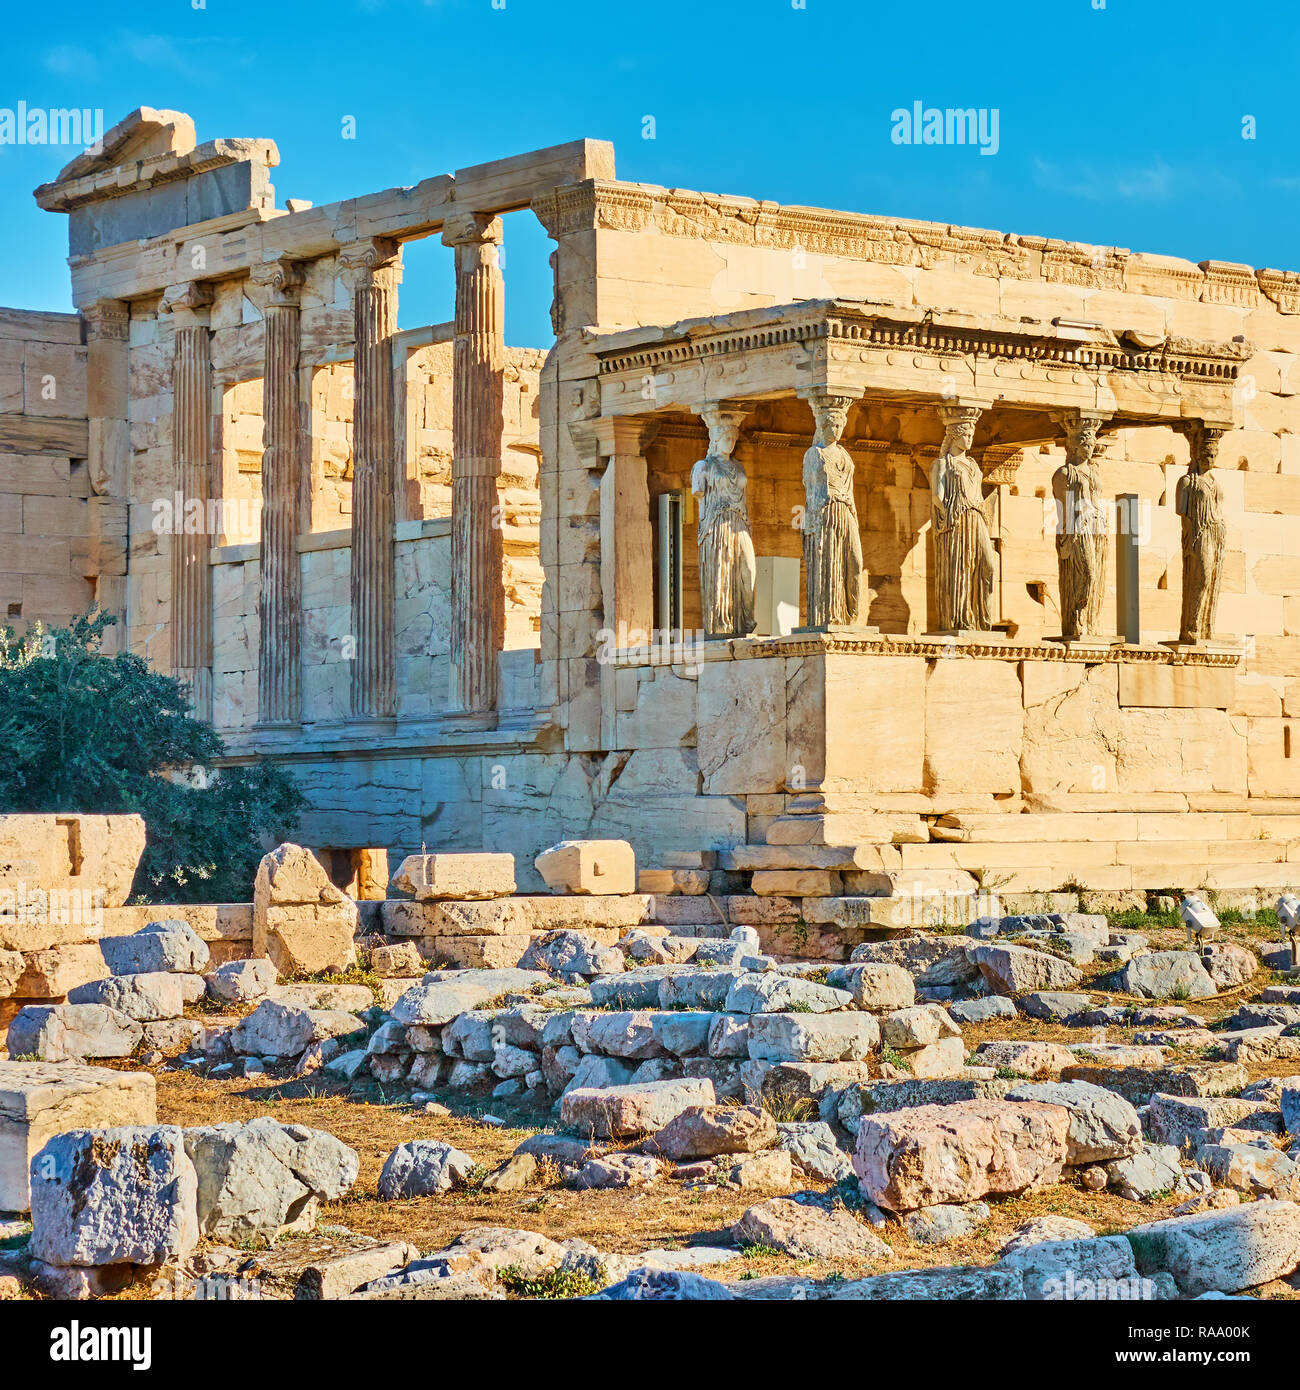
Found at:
(827, 542)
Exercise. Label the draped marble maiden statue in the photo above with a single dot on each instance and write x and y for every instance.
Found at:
(1199, 502)
(832, 546)
(728, 573)
(963, 552)
(1080, 530)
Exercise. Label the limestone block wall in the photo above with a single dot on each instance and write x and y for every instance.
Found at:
(423, 608)
(49, 558)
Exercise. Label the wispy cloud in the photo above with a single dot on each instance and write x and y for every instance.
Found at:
(66, 60)
(1155, 182)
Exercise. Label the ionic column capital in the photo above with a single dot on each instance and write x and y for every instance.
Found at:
(189, 304)
(472, 229)
(280, 281)
(375, 263)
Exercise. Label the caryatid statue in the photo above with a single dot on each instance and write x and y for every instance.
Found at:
(1200, 504)
(1080, 529)
(832, 546)
(963, 552)
(728, 573)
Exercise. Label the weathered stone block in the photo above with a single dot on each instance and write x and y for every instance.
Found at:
(41, 1099)
(588, 867)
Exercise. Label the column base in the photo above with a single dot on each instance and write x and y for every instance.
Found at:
(968, 634)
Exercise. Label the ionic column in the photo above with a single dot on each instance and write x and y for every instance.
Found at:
(477, 592)
(191, 576)
(376, 274)
(279, 652)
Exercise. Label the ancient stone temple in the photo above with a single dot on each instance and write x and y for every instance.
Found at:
(816, 541)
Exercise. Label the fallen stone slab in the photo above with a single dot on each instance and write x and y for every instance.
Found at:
(1054, 1006)
(704, 1131)
(664, 1285)
(1017, 970)
(878, 1096)
(942, 1059)
(930, 960)
(615, 1111)
(917, 1026)
(1166, 975)
(308, 994)
(337, 1276)
(814, 1150)
(637, 989)
(959, 1153)
(629, 1034)
(1221, 1251)
(41, 1099)
(147, 998)
(1120, 1054)
(423, 1167)
(168, 945)
(264, 1178)
(443, 995)
(808, 1232)
(1103, 1125)
(950, 1284)
(942, 1224)
(788, 1084)
(802, 1037)
(445, 875)
(769, 1171)
(572, 955)
(982, 1010)
(1138, 1084)
(588, 867)
(875, 987)
(774, 993)
(1100, 1268)
(1255, 1171)
(618, 1170)
(282, 1031)
(125, 1195)
(241, 981)
(699, 989)
(1042, 1228)
(1031, 1059)
(1183, 1120)
(1150, 1172)
(72, 1032)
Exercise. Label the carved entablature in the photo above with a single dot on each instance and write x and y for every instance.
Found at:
(1282, 287)
(1226, 282)
(852, 347)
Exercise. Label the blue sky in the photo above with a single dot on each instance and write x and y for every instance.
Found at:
(1119, 122)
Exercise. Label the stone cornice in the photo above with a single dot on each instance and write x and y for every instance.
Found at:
(930, 647)
(917, 331)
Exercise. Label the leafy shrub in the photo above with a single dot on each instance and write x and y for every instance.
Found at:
(99, 733)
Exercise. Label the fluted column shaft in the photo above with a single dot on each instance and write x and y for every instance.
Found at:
(477, 558)
(191, 576)
(279, 653)
(374, 480)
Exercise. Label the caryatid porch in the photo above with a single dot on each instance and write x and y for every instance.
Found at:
(911, 413)
(877, 383)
